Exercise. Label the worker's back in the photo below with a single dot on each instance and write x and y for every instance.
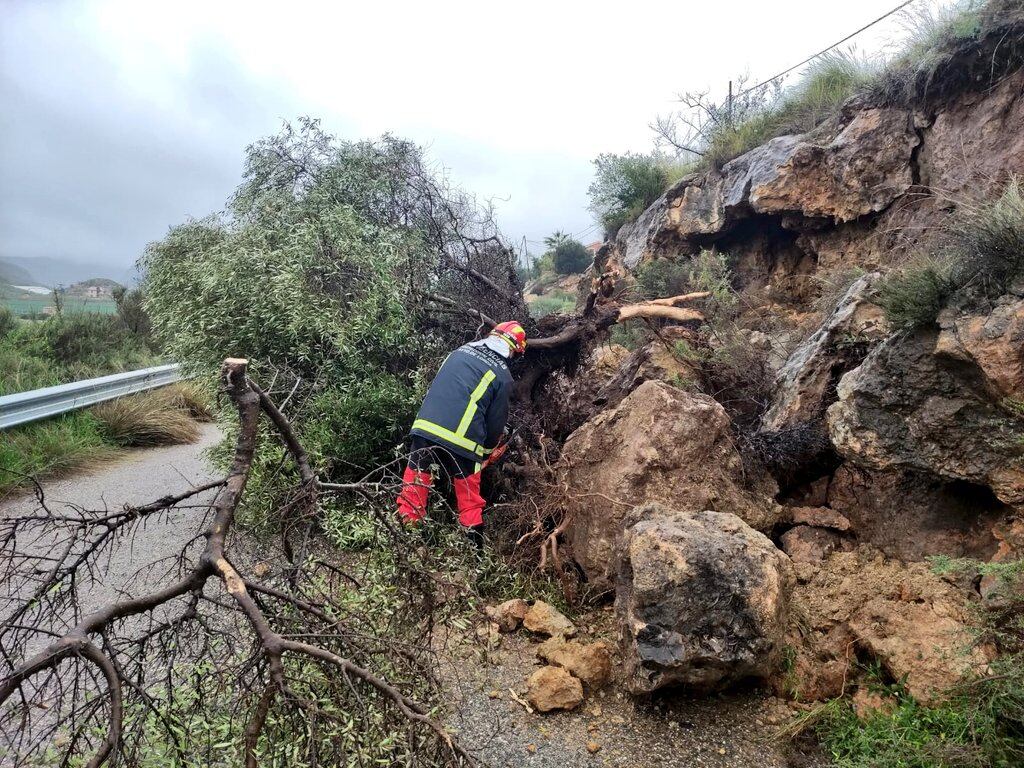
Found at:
(466, 406)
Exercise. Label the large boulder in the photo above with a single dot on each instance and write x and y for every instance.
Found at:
(702, 599)
(658, 444)
(994, 342)
(860, 170)
(913, 405)
(551, 688)
(809, 376)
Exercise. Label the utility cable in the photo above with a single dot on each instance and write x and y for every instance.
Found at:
(899, 7)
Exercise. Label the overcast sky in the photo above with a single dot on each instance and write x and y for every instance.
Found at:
(120, 119)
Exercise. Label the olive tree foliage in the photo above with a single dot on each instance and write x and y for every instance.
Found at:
(324, 273)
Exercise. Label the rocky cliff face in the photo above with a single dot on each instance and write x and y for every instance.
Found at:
(922, 432)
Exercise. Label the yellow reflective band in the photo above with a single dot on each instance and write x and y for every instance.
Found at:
(446, 434)
(467, 417)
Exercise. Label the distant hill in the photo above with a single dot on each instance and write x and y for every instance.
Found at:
(14, 274)
(51, 271)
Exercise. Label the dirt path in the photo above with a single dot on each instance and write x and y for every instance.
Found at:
(733, 730)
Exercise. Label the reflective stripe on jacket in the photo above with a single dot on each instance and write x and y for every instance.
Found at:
(466, 407)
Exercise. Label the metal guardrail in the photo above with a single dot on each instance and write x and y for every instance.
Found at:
(24, 407)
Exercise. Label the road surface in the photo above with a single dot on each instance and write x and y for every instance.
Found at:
(139, 477)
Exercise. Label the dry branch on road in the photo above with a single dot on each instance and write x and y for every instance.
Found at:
(92, 668)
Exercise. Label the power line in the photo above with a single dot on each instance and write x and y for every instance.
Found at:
(883, 17)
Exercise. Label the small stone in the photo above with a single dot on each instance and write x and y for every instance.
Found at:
(494, 694)
(261, 569)
(593, 747)
(508, 615)
(547, 648)
(721, 750)
(591, 663)
(545, 619)
(531, 748)
(551, 688)
(596, 710)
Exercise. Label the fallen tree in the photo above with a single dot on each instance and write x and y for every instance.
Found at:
(107, 685)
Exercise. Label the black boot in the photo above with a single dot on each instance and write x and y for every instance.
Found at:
(476, 535)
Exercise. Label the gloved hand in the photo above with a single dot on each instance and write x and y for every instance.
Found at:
(499, 449)
(495, 455)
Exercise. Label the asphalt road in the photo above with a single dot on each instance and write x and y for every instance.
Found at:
(139, 477)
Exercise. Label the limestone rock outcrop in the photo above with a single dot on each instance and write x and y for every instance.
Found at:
(658, 444)
(702, 599)
(809, 376)
(852, 167)
(912, 405)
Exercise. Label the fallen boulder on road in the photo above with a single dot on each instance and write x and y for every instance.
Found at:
(702, 599)
(658, 444)
(545, 619)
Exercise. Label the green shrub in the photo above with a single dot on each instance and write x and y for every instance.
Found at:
(51, 448)
(983, 255)
(571, 257)
(827, 83)
(933, 36)
(988, 240)
(625, 185)
(556, 301)
(915, 295)
(315, 276)
(707, 271)
(8, 322)
(151, 418)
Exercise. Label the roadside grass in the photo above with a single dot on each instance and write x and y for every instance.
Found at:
(147, 419)
(58, 350)
(983, 255)
(51, 448)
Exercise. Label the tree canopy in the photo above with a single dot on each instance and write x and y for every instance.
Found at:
(320, 273)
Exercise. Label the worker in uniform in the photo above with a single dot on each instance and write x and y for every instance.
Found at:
(461, 426)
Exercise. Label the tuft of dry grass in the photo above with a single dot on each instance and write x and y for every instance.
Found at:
(161, 417)
(190, 397)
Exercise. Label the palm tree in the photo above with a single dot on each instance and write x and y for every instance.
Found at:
(556, 238)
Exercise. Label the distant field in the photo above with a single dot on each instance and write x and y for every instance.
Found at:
(23, 307)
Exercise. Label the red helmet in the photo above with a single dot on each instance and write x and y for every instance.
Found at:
(511, 333)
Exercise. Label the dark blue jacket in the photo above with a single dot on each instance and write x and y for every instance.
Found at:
(466, 407)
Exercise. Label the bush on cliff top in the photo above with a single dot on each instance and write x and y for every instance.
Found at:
(708, 133)
(625, 185)
(983, 256)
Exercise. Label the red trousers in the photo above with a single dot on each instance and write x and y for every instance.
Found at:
(418, 479)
